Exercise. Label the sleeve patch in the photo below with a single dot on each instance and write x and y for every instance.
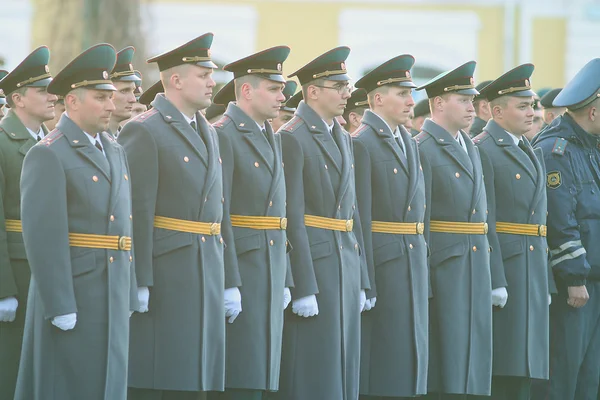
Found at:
(553, 179)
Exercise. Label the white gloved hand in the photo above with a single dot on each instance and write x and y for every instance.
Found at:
(143, 298)
(233, 303)
(549, 299)
(8, 309)
(373, 301)
(363, 300)
(65, 322)
(306, 306)
(499, 297)
(370, 303)
(287, 297)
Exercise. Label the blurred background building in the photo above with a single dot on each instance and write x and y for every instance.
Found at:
(558, 36)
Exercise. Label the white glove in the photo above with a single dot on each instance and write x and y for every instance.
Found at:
(499, 297)
(363, 300)
(8, 309)
(287, 297)
(143, 298)
(306, 306)
(549, 299)
(65, 322)
(233, 303)
(370, 303)
(373, 301)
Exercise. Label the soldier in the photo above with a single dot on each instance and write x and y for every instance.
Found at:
(355, 109)
(515, 185)
(149, 95)
(177, 343)
(482, 111)
(421, 113)
(322, 330)
(77, 233)
(460, 313)
(137, 108)
(538, 119)
(226, 94)
(551, 112)
(20, 129)
(214, 112)
(3, 73)
(124, 79)
(285, 113)
(391, 200)
(254, 226)
(571, 152)
(59, 109)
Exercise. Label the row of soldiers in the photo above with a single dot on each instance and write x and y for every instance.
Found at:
(158, 258)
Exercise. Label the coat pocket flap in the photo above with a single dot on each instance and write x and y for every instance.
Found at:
(320, 250)
(439, 256)
(83, 262)
(511, 249)
(247, 243)
(16, 251)
(387, 252)
(166, 244)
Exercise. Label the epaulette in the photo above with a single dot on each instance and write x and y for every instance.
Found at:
(420, 137)
(292, 124)
(51, 137)
(221, 122)
(560, 145)
(361, 129)
(145, 115)
(480, 137)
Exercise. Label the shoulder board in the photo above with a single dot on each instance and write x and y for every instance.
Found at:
(560, 144)
(361, 129)
(479, 138)
(420, 137)
(145, 115)
(292, 124)
(51, 138)
(220, 123)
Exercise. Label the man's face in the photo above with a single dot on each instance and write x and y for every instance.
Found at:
(137, 109)
(266, 98)
(59, 109)
(397, 104)
(458, 110)
(197, 86)
(1, 110)
(517, 116)
(332, 97)
(36, 102)
(123, 99)
(94, 109)
(281, 119)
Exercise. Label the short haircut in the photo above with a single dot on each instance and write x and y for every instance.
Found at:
(165, 76)
(9, 99)
(501, 101)
(371, 95)
(252, 80)
(316, 82)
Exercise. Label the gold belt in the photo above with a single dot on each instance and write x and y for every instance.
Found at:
(465, 228)
(398, 228)
(521, 229)
(332, 224)
(258, 222)
(182, 225)
(84, 239)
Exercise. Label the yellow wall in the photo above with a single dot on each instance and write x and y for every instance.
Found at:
(549, 51)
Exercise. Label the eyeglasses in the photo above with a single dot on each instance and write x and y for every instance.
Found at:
(341, 89)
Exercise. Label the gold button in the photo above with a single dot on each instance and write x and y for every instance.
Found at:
(353, 206)
(126, 177)
(487, 211)
(223, 200)
(489, 249)
(410, 245)
(339, 206)
(112, 218)
(395, 170)
(421, 167)
(95, 178)
(474, 248)
(547, 250)
(271, 242)
(270, 204)
(285, 203)
(186, 159)
(256, 164)
(282, 164)
(12, 134)
(326, 166)
(531, 248)
(111, 259)
(205, 199)
(457, 175)
(518, 176)
(130, 216)
(352, 166)
(533, 213)
(220, 240)
(408, 208)
(220, 161)
(355, 246)
(341, 247)
(203, 239)
(130, 258)
(473, 212)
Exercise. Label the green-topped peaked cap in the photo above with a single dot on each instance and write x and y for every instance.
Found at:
(288, 92)
(582, 89)
(138, 91)
(267, 64)
(33, 71)
(214, 110)
(459, 80)
(548, 98)
(225, 94)
(88, 70)
(294, 100)
(123, 70)
(516, 82)
(358, 99)
(330, 65)
(196, 51)
(422, 108)
(3, 73)
(149, 95)
(394, 72)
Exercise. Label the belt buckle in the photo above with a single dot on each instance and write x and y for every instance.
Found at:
(122, 242)
(485, 228)
(420, 228)
(283, 223)
(542, 230)
(214, 228)
(349, 225)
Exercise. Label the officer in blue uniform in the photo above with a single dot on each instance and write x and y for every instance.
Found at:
(572, 155)
(516, 188)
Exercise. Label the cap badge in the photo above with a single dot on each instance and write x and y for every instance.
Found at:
(46, 69)
(279, 67)
(105, 74)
